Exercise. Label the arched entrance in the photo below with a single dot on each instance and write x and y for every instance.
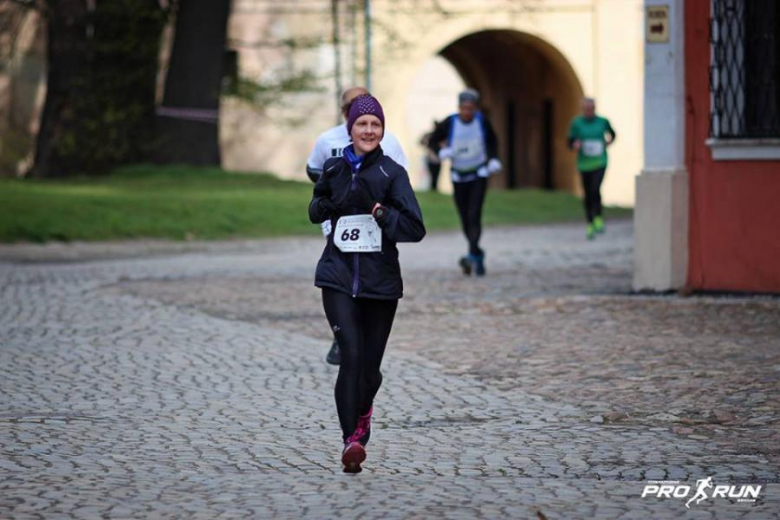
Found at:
(530, 93)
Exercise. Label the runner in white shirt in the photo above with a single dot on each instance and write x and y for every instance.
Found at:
(331, 143)
(468, 140)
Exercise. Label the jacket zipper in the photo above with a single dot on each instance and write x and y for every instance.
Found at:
(356, 256)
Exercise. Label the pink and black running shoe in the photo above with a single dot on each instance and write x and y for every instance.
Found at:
(353, 456)
(364, 425)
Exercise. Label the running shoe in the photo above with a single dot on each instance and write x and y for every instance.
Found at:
(465, 264)
(353, 456)
(598, 223)
(334, 354)
(590, 232)
(364, 425)
(479, 264)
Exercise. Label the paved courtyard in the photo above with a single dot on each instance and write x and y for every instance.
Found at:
(151, 380)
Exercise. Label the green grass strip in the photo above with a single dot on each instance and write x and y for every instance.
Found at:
(181, 202)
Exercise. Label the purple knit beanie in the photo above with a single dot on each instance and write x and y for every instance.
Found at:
(362, 105)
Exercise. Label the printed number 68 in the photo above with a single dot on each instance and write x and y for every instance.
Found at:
(353, 235)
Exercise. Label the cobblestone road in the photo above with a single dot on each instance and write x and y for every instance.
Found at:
(192, 385)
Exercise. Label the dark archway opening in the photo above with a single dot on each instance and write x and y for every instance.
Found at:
(530, 93)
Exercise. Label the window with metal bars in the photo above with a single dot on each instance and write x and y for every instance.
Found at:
(745, 69)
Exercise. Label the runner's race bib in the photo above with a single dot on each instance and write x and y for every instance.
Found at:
(358, 234)
(468, 150)
(592, 147)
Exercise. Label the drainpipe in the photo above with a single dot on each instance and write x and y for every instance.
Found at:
(353, 43)
(334, 11)
(367, 23)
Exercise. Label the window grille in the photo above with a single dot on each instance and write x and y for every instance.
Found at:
(745, 69)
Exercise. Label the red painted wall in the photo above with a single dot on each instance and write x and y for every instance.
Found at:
(734, 233)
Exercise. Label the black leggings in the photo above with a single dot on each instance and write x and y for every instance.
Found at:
(469, 197)
(362, 326)
(591, 184)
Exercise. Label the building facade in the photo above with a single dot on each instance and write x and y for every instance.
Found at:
(532, 60)
(707, 207)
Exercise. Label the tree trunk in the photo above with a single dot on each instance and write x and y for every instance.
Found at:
(66, 45)
(187, 123)
(100, 99)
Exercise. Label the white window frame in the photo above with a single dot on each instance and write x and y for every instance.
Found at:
(744, 149)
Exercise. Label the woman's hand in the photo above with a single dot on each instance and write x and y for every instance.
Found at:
(328, 206)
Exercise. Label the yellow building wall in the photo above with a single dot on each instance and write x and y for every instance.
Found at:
(598, 43)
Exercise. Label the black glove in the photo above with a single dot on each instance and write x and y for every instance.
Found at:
(321, 190)
(328, 207)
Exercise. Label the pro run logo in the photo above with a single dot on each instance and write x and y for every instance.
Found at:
(674, 489)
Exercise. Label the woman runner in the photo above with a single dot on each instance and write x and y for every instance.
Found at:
(370, 203)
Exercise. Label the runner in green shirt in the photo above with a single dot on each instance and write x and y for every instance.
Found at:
(590, 135)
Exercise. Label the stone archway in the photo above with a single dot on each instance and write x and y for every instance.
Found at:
(531, 93)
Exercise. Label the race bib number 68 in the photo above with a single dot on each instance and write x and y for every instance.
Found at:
(358, 234)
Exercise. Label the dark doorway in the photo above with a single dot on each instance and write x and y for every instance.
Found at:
(511, 124)
(531, 94)
(548, 180)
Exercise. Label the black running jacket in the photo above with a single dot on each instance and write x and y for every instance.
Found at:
(367, 275)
